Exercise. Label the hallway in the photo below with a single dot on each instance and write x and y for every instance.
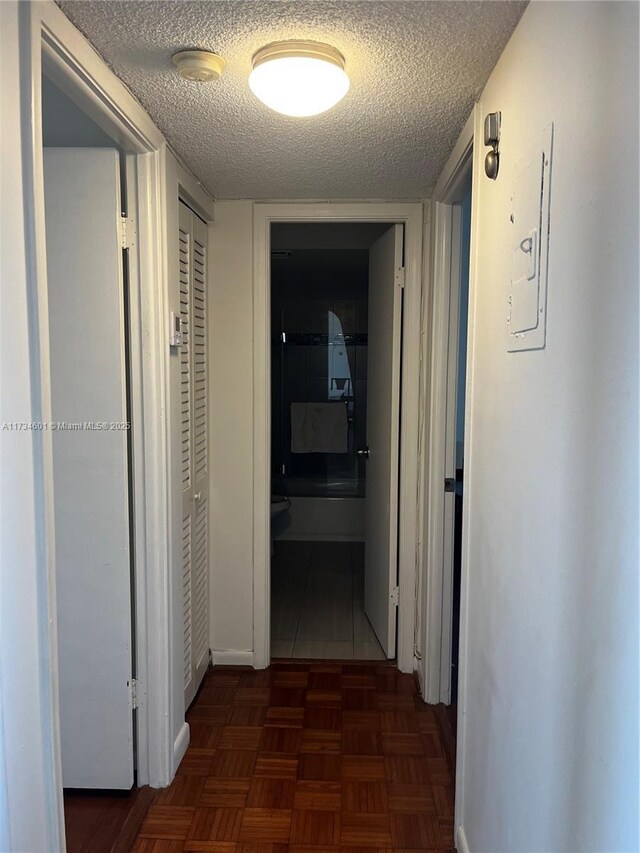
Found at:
(307, 757)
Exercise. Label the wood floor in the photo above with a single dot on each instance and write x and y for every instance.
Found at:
(307, 758)
(104, 821)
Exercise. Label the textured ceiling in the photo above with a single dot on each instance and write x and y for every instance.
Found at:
(415, 69)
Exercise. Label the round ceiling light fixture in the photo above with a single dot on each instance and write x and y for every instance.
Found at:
(198, 65)
(299, 78)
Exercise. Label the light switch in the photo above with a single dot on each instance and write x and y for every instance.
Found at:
(529, 248)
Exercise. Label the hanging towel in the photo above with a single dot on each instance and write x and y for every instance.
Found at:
(318, 427)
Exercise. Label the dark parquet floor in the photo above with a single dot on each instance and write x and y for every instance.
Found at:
(307, 758)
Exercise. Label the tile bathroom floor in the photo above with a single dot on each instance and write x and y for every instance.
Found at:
(317, 602)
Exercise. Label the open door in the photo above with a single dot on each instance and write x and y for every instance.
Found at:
(90, 465)
(383, 435)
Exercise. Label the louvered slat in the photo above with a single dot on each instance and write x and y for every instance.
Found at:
(200, 584)
(187, 598)
(185, 358)
(199, 364)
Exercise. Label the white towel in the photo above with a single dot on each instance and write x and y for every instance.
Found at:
(318, 427)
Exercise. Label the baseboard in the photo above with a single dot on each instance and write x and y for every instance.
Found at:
(180, 745)
(462, 846)
(232, 657)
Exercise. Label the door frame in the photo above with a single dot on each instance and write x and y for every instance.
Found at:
(49, 42)
(411, 215)
(435, 669)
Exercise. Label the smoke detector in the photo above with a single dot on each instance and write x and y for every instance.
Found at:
(199, 65)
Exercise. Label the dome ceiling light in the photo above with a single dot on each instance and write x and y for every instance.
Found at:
(201, 66)
(299, 78)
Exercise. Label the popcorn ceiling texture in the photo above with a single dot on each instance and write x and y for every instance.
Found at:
(416, 69)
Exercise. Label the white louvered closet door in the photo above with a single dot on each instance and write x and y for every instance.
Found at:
(194, 448)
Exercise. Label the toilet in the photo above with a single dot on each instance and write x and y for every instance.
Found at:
(279, 504)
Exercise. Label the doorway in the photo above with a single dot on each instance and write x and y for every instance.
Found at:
(324, 590)
(397, 240)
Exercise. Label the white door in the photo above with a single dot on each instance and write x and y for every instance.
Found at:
(192, 246)
(383, 431)
(90, 465)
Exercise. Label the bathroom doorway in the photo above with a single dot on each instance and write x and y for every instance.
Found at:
(333, 286)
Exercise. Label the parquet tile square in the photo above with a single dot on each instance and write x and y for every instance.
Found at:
(365, 768)
(407, 743)
(399, 722)
(195, 764)
(364, 797)
(260, 825)
(288, 697)
(183, 791)
(224, 793)
(285, 717)
(323, 718)
(255, 678)
(414, 830)
(276, 766)
(324, 698)
(321, 740)
(358, 742)
(240, 737)
(247, 715)
(354, 699)
(285, 740)
(214, 715)
(168, 822)
(325, 680)
(288, 678)
(407, 769)
(215, 825)
(251, 696)
(204, 737)
(269, 793)
(365, 830)
(411, 798)
(318, 796)
(307, 758)
(319, 767)
(316, 828)
(361, 720)
(233, 763)
(215, 695)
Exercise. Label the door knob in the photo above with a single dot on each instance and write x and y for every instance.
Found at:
(363, 452)
(197, 496)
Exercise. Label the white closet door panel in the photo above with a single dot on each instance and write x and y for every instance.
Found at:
(192, 245)
(91, 480)
(200, 574)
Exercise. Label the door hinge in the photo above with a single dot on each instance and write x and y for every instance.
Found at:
(134, 692)
(400, 276)
(127, 232)
(395, 596)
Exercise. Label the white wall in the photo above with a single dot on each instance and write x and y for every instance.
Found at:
(549, 750)
(231, 394)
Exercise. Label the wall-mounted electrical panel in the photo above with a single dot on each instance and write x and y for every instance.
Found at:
(527, 314)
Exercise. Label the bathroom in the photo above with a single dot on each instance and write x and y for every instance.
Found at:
(319, 368)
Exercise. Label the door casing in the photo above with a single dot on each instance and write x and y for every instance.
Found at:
(411, 215)
(436, 615)
(49, 43)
